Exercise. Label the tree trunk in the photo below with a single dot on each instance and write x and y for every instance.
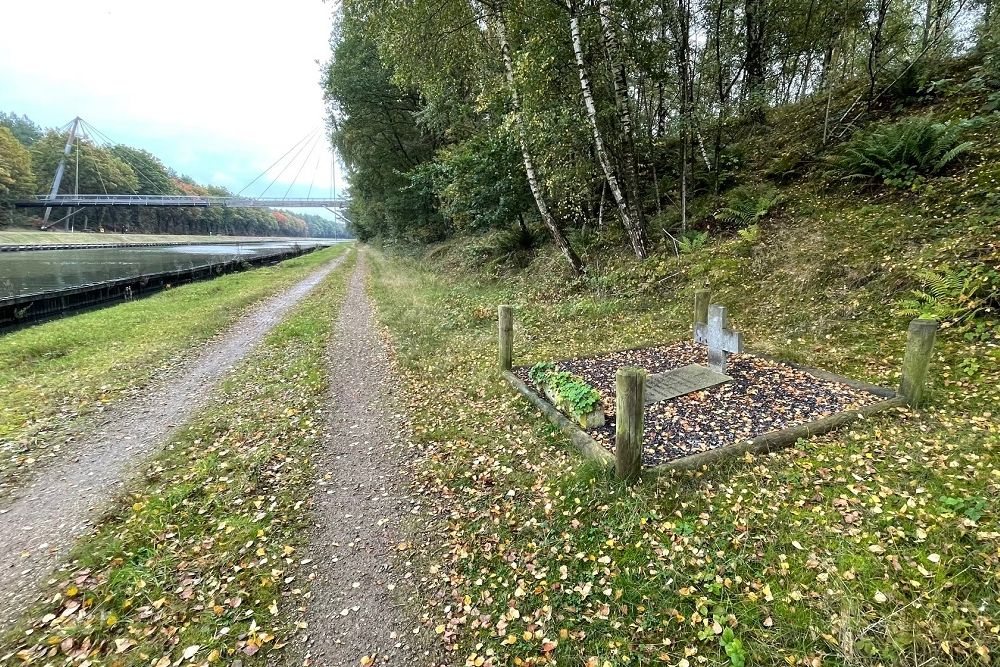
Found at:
(804, 84)
(753, 14)
(626, 209)
(875, 47)
(825, 79)
(723, 90)
(630, 161)
(928, 13)
(684, 76)
(809, 53)
(934, 20)
(529, 164)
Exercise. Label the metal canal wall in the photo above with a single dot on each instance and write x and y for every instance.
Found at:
(20, 310)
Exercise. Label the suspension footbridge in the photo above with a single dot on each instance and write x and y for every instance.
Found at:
(47, 201)
(290, 166)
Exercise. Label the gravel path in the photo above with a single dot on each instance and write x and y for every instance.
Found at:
(356, 613)
(40, 522)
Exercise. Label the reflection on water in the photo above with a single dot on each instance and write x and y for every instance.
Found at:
(36, 271)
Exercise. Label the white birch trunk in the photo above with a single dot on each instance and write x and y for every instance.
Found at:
(637, 233)
(529, 164)
(602, 156)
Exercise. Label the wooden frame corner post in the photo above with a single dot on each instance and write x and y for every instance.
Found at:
(917, 360)
(505, 319)
(630, 408)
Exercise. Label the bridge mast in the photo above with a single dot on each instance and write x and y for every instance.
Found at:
(62, 167)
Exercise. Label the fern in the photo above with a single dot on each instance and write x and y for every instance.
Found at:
(746, 205)
(963, 147)
(953, 297)
(749, 235)
(692, 241)
(903, 154)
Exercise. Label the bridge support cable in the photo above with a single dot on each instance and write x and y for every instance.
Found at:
(108, 142)
(312, 183)
(275, 163)
(305, 160)
(291, 161)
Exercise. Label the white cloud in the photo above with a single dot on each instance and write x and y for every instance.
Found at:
(217, 87)
(222, 178)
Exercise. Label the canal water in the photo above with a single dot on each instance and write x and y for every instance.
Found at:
(37, 271)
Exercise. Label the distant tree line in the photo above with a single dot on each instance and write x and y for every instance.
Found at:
(29, 156)
(464, 115)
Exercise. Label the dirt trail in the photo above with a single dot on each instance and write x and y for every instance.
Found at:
(357, 588)
(40, 523)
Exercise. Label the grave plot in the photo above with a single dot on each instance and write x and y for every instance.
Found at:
(696, 410)
(701, 400)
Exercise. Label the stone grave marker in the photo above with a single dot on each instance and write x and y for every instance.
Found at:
(680, 381)
(720, 340)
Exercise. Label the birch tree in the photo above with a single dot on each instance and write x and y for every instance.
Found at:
(628, 208)
(499, 23)
(626, 129)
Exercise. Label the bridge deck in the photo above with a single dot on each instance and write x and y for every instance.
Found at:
(43, 201)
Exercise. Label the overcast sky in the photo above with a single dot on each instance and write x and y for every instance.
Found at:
(218, 89)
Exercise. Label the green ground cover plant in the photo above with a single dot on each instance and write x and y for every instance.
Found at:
(55, 372)
(197, 562)
(579, 397)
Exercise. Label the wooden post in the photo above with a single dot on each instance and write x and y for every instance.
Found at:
(701, 299)
(506, 319)
(919, 346)
(630, 407)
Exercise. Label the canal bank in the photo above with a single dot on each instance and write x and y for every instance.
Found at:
(89, 246)
(29, 238)
(40, 285)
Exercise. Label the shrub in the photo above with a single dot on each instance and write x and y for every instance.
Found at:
(909, 81)
(903, 154)
(514, 246)
(787, 166)
(748, 204)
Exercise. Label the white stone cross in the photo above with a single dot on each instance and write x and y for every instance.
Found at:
(719, 339)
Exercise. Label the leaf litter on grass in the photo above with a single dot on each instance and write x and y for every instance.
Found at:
(198, 562)
(845, 549)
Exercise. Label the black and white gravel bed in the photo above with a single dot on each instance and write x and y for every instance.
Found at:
(764, 396)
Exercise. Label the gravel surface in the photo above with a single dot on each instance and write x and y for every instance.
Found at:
(764, 396)
(39, 523)
(358, 613)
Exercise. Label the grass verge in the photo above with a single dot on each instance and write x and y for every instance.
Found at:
(57, 371)
(875, 545)
(197, 562)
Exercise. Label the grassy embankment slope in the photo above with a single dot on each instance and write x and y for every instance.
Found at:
(57, 371)
(877, 544)
(197, 562)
